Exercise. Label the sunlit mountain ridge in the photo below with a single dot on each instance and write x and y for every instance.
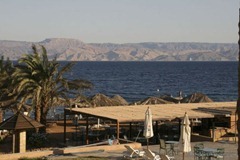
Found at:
(76, 50)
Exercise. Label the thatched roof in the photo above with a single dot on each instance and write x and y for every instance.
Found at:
(196, 98)
(20, 122)
(169, 98)
(153, 100)
(120, 100)
(103, 100)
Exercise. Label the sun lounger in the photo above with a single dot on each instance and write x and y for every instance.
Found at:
(133, 152)
(166, 157)
(149, 155)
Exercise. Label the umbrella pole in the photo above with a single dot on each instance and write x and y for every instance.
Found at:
(14, 139)
(183, 155)
(147, 143)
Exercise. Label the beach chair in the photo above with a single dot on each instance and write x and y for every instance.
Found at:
(149, 155)
(166, 157)
(163, 147)
(132, 153)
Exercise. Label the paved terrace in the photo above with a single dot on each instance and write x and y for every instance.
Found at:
(230, 152)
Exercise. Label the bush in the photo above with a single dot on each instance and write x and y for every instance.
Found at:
(37, 140)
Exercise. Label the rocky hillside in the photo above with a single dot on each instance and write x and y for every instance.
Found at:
(76, 50)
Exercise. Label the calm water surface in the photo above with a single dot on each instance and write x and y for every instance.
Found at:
(138, 80)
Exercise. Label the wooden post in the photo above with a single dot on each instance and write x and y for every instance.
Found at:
(213, 130)
(13, 145)
(130, 130)
(64, 128)
(235, 128)
(87, 141)
(179, 127)
(118, 130)
(156, 132)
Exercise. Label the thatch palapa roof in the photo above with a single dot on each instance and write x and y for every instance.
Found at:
(153, 100)
(20, 122)
(103, 100)
(196, 98)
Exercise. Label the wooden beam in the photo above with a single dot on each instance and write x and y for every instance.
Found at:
(130, 130)
(87, 130)
(118, 129)
(64, 128)
(156, 132)
(13, 145)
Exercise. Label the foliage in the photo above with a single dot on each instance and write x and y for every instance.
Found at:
(41, 84)
(7, 96)
(37, 140)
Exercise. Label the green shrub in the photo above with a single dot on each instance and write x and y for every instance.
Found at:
(37, 140)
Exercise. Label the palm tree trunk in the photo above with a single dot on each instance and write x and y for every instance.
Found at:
(37, 113)
(43, 119)
(1, 115)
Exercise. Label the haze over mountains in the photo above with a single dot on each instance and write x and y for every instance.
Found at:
(76, 50)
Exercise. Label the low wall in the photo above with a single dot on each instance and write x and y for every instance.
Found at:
(79, 149)
(95, 148)
(16, 156)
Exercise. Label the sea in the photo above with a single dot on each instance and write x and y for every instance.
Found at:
(135, 81)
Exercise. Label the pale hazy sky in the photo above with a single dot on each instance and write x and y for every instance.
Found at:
(120, 21)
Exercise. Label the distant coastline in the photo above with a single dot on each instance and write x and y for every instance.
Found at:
(76, 50)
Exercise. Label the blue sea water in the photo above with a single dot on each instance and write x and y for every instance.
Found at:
(138, 80)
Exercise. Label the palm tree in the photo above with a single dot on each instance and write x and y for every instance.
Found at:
(7, 98)
(41, 83)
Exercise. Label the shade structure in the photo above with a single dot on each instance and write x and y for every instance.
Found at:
(185, 136)
(148, 128)
(20, 122)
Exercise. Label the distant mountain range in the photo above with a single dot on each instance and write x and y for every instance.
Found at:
(76, 50)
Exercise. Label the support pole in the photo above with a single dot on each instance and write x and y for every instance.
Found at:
(64, 128)
(179, 127)
(235, 128)
(87, 129)
(213, 130)
(13, 139)
(118, 130)
(130, 130)
(156, 132)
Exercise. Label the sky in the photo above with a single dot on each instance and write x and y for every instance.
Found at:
(120, 21)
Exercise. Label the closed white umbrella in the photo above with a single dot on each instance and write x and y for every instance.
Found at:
(148, 128)
(185, 137)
